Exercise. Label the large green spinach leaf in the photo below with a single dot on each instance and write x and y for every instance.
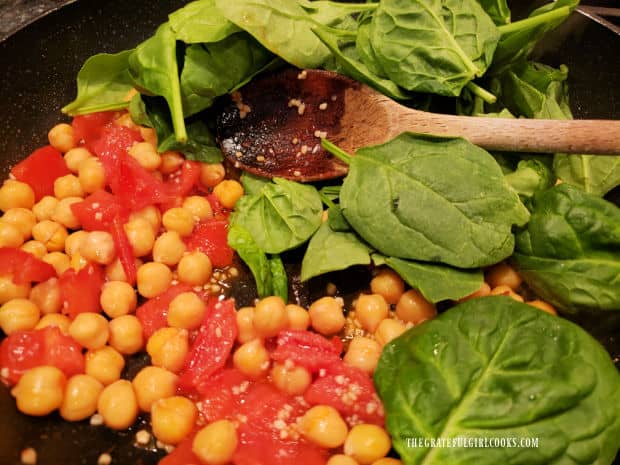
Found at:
(242, 242)
(497, 9)
(432, 199)
(201, 22)
(569, 254)
(496, 368)
(594, 174)
(434, 46)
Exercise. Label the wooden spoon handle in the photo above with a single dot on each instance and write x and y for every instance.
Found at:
(520, 135)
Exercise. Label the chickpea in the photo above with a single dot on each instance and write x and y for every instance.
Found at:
(50, 233)
(503, 274)
(388, 284)
(62, 322)
(141, 236)
(199, 207)
(145, 154)
(169, 248)
(388, 330)
(151, 214)
(414, 308)
(484, 290)
(118, 298)
(75, 156)
(216, 443)
(115, 271)
(126, 334)
(270, 316)
(252, 359)
(149, 135)
(168, 348)
(173, 419)
(180, 220)
(363, 353)
(98, 247)
(74, 242)
(152, 384)
(245, 325)
(80, 398)
(125, 119)
(10, 235)
(228, 192)
(9, 290)
(195, 269)
(35, 248)
(298, 317)
(326, 315)
(153, 279)
(60, 261)
(16, 194)
(170, 162)
(370, 310)
(186, 310)
(387, 461)
(90, 330)
(18, 315)
(294, 380)
(211, 174)
(68, 186)
(46, 296)
(61, 137)
(40, 390)
(544, 306)
(507, 291)
(64, 215)
(341, 459)
(44, 208)
(367, 443)
(105, 364)
(323, 426)
(117, 404)
(91, 175)
(22, 218)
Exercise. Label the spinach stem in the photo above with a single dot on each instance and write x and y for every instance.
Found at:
(534, 21)
(336, 151)
(484, 94)
(326, 200)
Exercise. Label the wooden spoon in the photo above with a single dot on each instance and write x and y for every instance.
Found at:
(274, 125)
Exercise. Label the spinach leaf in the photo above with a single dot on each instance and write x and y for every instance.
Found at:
(335, 14)
(330, 250)
(242, 242)
(282, 216)
(530, 178)
(279, 279)
(569, 254)
(154, 70)
(432, 199)
(102, 84)
(594, 174)
(494, 367)
(497, 9)
(433, 46)
(252, 185)
(336, 219)
(365, 51)
(437, 282)
(201, 22)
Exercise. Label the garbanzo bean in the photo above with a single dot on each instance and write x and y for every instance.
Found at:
(60, 261)
(44, 208)
(62, 322)
(151, 214)
(169, 248)
(35, 248)
(252, 359)
(61, 137)
(507, 291)
(414, 308)
(180, 220)
(16, 194)
(149, 135)
(228, 192)
(153, 279)
(105, 364)
(74, 241)
(118, 298)
(68, 186)
(173, 419)
(22, 218)
(388, 284)
(298, 317)
(168, 348)
(195, 269)
(363, 353)
(9, 290)
(503, 274)
(387, 461)
(211, 174)
(216, 443)
(80, 397)
(90, 330)
(367, 443)
(126, 334)
(50, 233)
(270, 316)
(389, 329)
(483, 291)
(75, 156)
(18, 315)
(145, 154)
(141, 236)
(40, 390)
(341, 459)
(186, 310)
(170, 162)
(544, 306)
(152, 384)
(199, 207)
(291, 380)
(323, 426)
(46, 296)
(117, 404)
(64, 215)
(370, 310)
(245, 325)
(10, 235)
(98, 247)
(91, 175)
(326, 315)
(115, 271)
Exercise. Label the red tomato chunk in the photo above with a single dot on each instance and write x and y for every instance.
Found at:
(80, 290)
(40, 170)
(24, 267)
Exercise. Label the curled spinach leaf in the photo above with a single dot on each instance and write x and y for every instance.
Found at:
(279, 279)
(530, 177)
(201, 22)
(497, 9)
(242, 242)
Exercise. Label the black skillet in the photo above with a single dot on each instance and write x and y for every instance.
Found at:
(38, 65)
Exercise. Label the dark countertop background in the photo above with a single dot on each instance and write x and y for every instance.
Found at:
(16, 13)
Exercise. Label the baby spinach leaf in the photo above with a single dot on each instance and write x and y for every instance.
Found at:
(569, 254)
(252, 185)
(497, 9)
(432, 199)
(594, 174)
(494, 367)
(279, 279)
(433, 46)
(282, 216)
(365, 51)
(154, 71)
(437, 282)
(530, 177)
(330, 250)
(102, 84)
(201, 22)
(336, 220)
(242, 242)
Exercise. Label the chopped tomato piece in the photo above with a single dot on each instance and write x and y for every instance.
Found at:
(210, 237)
(212, 345)
(40, 170)
(23, 266)
(124, 250)
(309, 350)
(153, 314)
(80, 290)
(219, 211)
(182, 454)
(23, 350)
(137, 188)
(222, 394)
(87, 128)
(181, 182)
(97, 211)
